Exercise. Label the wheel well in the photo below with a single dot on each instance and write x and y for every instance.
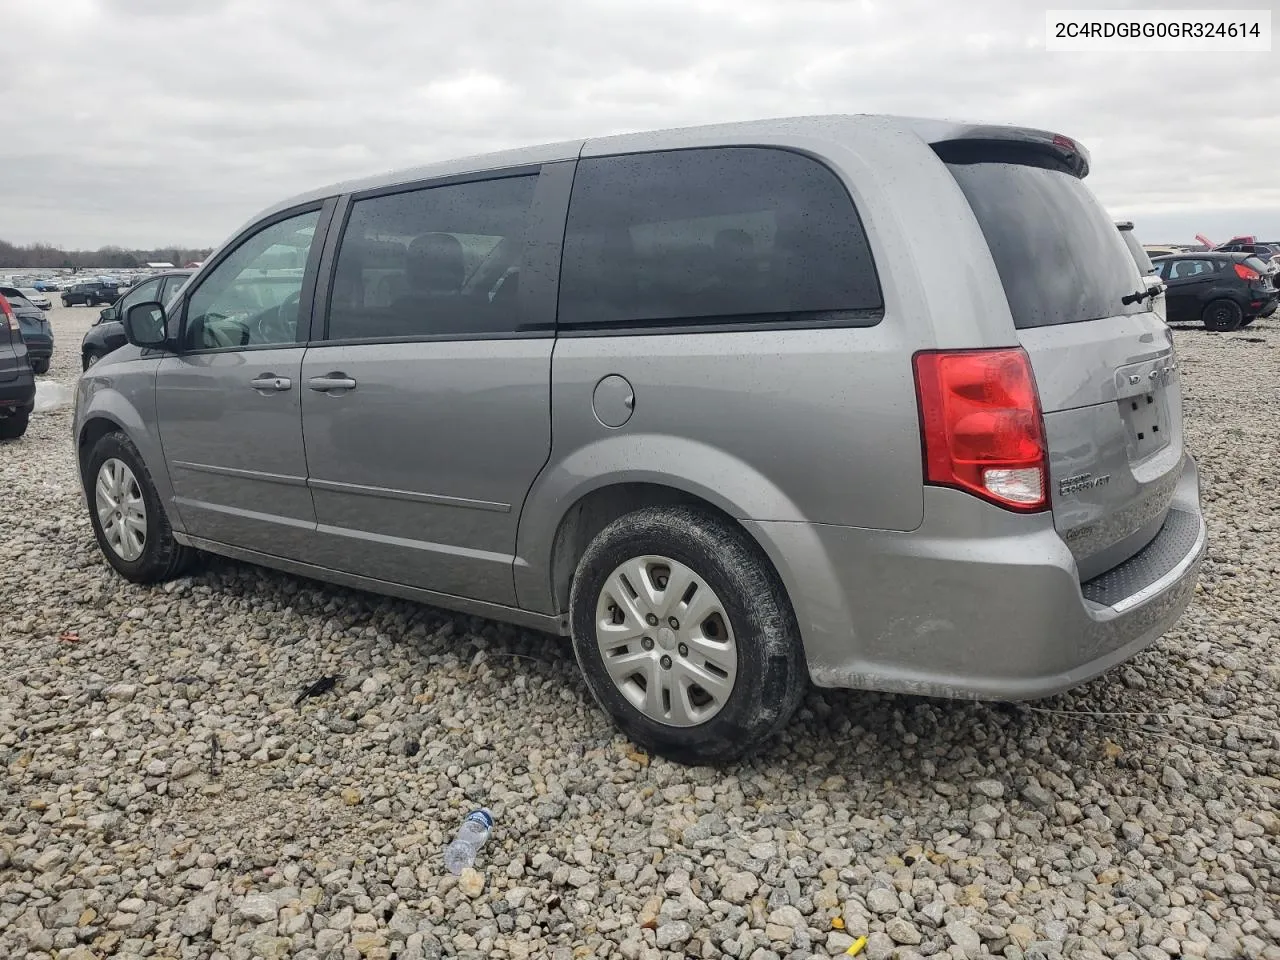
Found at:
(92, 432)
(596, 510)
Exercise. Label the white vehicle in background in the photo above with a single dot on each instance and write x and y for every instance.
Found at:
(1150, 275)
(37, 298)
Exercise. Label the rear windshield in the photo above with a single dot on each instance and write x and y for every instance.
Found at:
(1060, 256)
(1255, 264)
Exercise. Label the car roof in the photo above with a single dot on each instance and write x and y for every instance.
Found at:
(1207, 255)
(161, 273)
(768, 132)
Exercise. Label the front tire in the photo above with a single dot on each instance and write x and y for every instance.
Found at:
(685, 635)
(128, 519)
(89, 358)
(1222, 316)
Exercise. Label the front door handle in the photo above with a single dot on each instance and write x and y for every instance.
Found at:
(333, 381)
(268, 382)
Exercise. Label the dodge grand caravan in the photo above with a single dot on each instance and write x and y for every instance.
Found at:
(691, 398)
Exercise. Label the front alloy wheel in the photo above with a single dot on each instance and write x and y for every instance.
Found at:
(128, 518)
(122, 511)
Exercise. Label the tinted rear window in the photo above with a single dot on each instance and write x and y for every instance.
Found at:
(1060, 257)
(727, 235)
(1256, 264)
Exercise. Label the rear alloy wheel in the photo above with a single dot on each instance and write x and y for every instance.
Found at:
(1222, 316)
(128, 520)
(89, 358)
(685, 635)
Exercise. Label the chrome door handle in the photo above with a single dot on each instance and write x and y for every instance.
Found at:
(331, 382)
(268, 382)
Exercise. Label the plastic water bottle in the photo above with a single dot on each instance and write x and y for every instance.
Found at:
(473, 833)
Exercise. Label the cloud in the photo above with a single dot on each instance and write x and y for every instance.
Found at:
(149, 121)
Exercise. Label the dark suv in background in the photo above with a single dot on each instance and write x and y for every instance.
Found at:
(107, 332)
(34, 326)
(17, 385)
(90, 293)
(1224, 291)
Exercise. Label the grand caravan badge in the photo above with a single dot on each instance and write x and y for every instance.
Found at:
(1083, 481)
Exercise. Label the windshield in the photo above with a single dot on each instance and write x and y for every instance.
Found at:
(1059, 255)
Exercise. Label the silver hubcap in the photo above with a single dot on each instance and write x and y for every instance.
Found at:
(666, 641)
(121, 509)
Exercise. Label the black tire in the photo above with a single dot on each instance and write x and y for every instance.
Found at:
(14, 425)
(162, 557)
(40, 366)
(1247, 320)
(66, 302)
(1222, 316)
(89, 358)
(771, 674)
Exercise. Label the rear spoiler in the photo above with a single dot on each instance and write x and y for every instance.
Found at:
(964, 138)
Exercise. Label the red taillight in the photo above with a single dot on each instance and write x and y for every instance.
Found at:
(8, 314)
(981, 425)
(1247, 273)
(1066, 143)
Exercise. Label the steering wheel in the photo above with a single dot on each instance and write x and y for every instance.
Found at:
(280, 324)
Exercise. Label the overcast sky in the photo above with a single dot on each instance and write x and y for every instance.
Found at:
(148, 122)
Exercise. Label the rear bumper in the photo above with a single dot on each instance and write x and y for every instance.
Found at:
(19, 392)
(39, 347)
(979, 603)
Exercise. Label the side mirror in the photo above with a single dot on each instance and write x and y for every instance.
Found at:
(144, 325)
(107, 314)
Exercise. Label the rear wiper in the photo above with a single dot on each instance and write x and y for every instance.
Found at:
(1136, 297)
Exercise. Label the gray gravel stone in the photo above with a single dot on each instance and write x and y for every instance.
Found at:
(673, 934)
(883, 901)
(964, 937)
(901, 931)
(991, 789)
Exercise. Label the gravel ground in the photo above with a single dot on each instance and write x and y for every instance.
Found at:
(316, 831)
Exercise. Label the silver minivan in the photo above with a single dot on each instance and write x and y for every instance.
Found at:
(862, 401)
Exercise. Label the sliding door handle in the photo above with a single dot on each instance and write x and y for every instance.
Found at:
(331, 382)
(267, 383)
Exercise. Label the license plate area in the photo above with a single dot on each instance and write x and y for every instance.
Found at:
(1146, 419)
(1144, 405)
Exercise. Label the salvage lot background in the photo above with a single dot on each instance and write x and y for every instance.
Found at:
(316, 831)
